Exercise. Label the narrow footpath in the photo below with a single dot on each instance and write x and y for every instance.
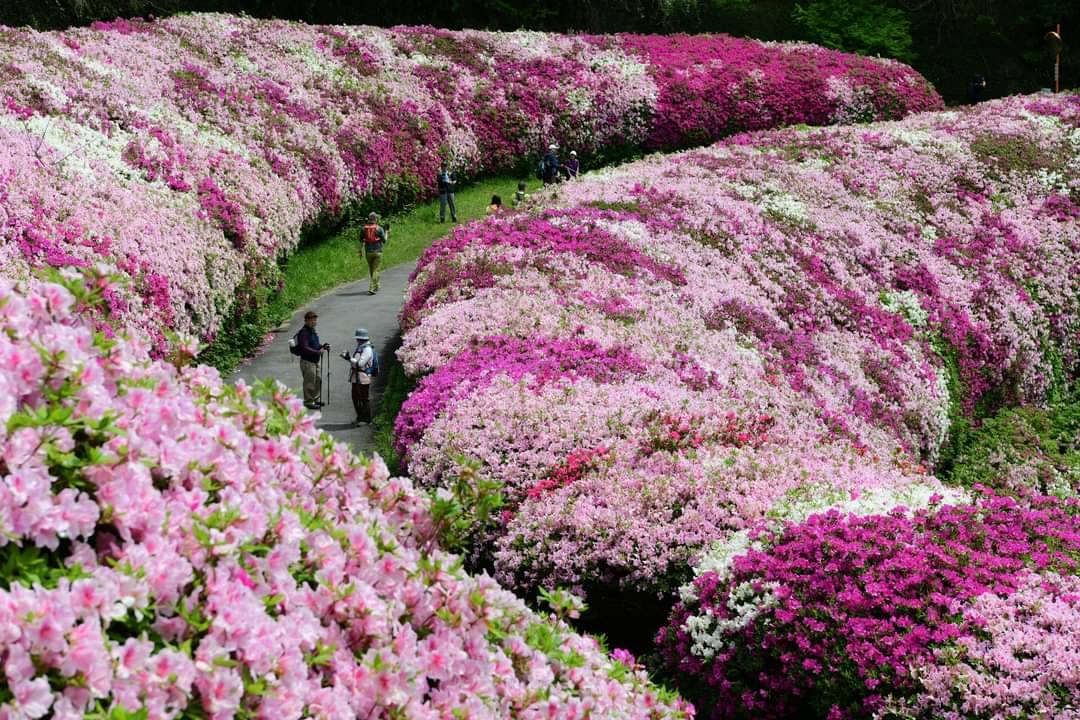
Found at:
(341, 311)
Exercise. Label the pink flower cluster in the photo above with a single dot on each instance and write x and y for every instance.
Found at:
(1020, 658)
(832, 614)
(714, 85)
(172, 546)
(811, 307)
(827, 300)
(190, 152)
(542, 361)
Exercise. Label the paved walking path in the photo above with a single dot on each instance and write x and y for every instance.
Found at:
(341, 311)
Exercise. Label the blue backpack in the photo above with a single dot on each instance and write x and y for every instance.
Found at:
(373, 370)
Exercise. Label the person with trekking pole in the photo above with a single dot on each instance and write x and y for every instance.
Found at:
(306, 344)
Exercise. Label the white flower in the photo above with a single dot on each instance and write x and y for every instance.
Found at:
(905, 303)
(746, 602)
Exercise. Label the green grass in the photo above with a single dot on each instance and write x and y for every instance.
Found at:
(397, 389)
(325, 263)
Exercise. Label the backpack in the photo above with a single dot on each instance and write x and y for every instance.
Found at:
(371, 234)
(294, 346)
(540, 170)
(373, 369)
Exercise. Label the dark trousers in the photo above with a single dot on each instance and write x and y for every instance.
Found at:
(361, 395)
(444, 200)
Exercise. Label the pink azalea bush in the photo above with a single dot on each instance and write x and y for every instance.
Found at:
(811, 309)
(1019, 660)
(712, 85)
(831, 616)
(187, 154)
(172, 546)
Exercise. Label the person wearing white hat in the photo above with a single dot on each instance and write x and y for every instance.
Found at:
(551, 164)
(363, 365)
(572, 166)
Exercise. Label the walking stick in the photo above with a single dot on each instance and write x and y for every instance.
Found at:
(329, 369)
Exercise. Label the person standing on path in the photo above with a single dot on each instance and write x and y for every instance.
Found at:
(310, 355)
(446, 181)
(362, 365)
(374, 237)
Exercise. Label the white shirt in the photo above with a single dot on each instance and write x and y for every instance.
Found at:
(362, 356)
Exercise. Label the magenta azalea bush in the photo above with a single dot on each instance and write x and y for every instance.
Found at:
(187, 154)
(843, 614)
(806, 310)
(174, 547)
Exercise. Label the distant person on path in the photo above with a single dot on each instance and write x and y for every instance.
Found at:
(572, 166)
(976, 88)
(446, 181)
(374, 238)
(496, 205)
(363, 365)
(551, 164)
(520, 195)
(310, 355)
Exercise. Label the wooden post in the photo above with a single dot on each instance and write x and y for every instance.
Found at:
(1053, 42)
(1057, 62)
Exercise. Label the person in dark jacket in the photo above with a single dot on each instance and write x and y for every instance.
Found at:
(551, 164)
(310, 355)
(572, 166)
(976, 88)
(446, 181)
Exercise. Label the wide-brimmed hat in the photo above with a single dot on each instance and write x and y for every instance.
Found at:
(361, 334)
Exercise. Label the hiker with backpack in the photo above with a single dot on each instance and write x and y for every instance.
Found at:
(550, 165)
(306, 345)
(363, 365)
(374, 237)
(446, 182)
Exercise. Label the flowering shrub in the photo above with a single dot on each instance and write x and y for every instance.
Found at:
(810, 308)
(713, 85)
(171, 546)
(188, 153)
(1023, 450)
(830, 615)
(1019, 660)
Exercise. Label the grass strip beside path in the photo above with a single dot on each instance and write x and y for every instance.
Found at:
(323, 263)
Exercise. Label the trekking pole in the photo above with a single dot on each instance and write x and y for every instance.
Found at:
(329, 362)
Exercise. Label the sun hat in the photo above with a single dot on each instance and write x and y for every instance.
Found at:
(372, 216)
(553, 146)
(361, 334)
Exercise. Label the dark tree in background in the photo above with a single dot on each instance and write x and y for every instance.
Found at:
(949, 41)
